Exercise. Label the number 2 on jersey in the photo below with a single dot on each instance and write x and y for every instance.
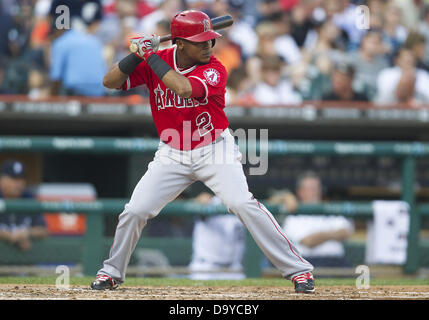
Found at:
(204, 123)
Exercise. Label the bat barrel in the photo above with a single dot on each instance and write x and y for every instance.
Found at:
(165, 38)
(222, 22)
(218, 23)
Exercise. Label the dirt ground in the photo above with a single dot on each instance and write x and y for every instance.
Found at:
(46, 292)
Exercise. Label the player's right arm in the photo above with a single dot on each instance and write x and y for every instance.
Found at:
(114, 77)
(122, 75)
(128, 73)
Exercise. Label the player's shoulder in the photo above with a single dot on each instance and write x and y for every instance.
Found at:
(213, 72)
(215, 63)
(166, 53)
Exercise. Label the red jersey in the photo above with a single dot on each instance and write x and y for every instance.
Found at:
(185, 123)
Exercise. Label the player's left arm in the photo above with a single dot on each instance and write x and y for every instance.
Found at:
(181, 85)
(212, 77)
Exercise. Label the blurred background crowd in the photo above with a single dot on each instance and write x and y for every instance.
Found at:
(276, 52)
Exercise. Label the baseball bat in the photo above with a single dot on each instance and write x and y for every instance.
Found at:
(218, 23)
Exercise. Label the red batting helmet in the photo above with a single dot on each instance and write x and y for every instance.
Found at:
(192, 25)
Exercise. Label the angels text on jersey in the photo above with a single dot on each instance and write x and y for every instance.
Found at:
(170, 99)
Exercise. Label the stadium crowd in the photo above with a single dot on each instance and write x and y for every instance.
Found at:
(276, 52)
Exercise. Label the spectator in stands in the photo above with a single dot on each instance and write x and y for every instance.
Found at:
(284, 44)
(376, 11)
(216, 8)
(423, 28)
(367, 63)
(227, 52)
(323, 48)
(310, 35)
(376, 21)
(116, 28)
(376, 6)
(345, 19)
(271, 43)
(39, 37)
(5, 23)
(18, 229)
(267, 9)
(319, 238)
(242, 32)
(274, 88)
(403, 83)
(301, 22)
(416, 42)
(38, 87)
(239, 88)
(218, 242)
(394, 33)
(3, 90)
(326, 42)
(18, 19)
(265, 48)
(342, 85)
(311, 79)
(16, 48)
(166, 10)
(77, 64)
(410, 12)
(163, 28)
(7, 32)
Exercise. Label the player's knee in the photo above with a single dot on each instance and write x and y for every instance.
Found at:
(236, 205)
(140, 214)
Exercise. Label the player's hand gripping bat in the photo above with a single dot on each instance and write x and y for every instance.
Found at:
(217, 23)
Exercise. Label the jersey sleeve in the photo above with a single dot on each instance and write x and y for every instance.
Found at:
(198, 90)
(136, 78)
(213, 76)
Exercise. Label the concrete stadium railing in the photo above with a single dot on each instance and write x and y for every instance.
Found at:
(408, 152)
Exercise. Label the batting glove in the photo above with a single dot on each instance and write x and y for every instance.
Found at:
(146, 45)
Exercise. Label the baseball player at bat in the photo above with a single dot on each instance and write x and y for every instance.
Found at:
(187, 98)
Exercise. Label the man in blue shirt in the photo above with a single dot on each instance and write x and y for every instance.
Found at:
(77, 63)
(18, 229)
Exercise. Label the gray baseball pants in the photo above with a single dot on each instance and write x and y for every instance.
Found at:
(218, 166)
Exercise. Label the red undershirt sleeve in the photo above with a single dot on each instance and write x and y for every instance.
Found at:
(198, 89)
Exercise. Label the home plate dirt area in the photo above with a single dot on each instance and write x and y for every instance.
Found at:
(340, 292)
